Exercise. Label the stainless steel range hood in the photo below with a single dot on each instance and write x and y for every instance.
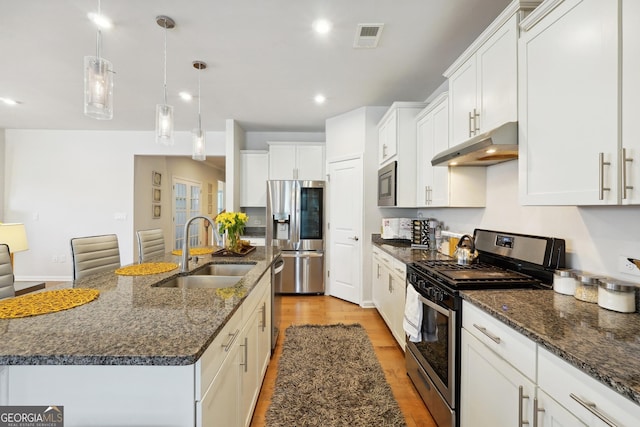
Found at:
(497, 145)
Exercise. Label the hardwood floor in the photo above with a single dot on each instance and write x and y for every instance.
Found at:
(299, 310)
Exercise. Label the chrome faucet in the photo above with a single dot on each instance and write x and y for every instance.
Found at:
(215, 237)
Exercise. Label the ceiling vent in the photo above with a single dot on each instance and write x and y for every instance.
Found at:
(367, 36)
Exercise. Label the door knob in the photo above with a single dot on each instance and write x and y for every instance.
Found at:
(354, 238)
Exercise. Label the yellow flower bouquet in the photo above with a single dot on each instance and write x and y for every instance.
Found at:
(233, 224)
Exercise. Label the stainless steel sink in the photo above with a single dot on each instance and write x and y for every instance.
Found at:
(199, 282)
(224, 270)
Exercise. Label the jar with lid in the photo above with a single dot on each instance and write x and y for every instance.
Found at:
(586, 287)
(564, 282)
(617, 295)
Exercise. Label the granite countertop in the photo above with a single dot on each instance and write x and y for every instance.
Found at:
(131, 322)
(602, 343)
(402, 250)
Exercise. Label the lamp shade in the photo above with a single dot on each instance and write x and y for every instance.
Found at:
(15, 236)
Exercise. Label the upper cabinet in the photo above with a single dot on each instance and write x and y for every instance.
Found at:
(483, 82)
(304, 161)
(254, 169)
(577, 144)
(397, 142)
(439, 186)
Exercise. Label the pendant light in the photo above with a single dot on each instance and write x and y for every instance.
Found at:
(197, 136)
(164, 111)
(98, 82)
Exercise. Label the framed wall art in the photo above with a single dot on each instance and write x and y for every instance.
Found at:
(156, 179)
(157, 211)
(157, 195)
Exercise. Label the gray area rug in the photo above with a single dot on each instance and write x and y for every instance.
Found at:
(329, 375)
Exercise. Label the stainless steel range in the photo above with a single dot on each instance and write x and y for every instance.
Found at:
(505, 260)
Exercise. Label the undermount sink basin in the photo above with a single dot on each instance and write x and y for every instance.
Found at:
(224, 270)
(200, 282)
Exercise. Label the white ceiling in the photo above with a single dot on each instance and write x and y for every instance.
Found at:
(265, 64)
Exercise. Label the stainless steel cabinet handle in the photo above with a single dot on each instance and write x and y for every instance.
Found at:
(521, 397)
(536, 409)
(625, 159)
(591, 407)
(264, 315)
(232, 338)
(246, 354)
(426, 194)
(482, 329)
(476, 116)
(390, 284)
(601, 187)
(470, 127)
(378, 272)
(384, 150)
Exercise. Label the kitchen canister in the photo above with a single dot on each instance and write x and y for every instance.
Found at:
(564, 282)
(617, 295)
(586, 286)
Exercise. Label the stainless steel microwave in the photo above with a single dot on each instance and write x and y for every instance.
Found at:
(387, 185)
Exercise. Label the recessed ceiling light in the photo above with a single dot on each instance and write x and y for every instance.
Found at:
(9, 101)
(453, 163)
(320, 98)
(322, 26)
(185, 96)
(100, 20)
(491, 150)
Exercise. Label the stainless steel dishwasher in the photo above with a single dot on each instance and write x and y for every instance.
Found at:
(276, 300)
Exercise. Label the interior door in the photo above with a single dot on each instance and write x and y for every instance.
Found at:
(345, 195)
(186, 204)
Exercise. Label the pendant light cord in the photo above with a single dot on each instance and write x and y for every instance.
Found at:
(165, 62)
(98, 33)
(199, 97)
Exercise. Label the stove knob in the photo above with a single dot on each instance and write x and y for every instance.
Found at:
(430, 292)
(438, 296)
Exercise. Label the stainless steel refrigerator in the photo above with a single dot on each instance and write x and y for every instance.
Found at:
(295, 224)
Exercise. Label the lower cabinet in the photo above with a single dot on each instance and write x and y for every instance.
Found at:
(233, 393)
(389, 292)
(500, 368)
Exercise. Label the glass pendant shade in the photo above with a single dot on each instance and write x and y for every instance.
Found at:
(98, 88)
(199, 145)
(164, 124)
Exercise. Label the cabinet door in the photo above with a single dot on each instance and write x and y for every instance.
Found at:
(462, 102)
(387, 137)
(377, 286)
(425, 150)
(630, 94)
(440, 175)
(254, 168)
(282, 161)
(397, 301)
(310, 162)
(569, 105)
(249, 367)
(221, 403)
(551, 414)
(492, 391)
(497, 74)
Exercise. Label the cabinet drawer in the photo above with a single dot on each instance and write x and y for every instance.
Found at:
(562, 380)
(512, 346)
(386, 259)
(208, 365)
(399, 268)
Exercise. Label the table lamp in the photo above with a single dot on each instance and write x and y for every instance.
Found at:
(15, 236)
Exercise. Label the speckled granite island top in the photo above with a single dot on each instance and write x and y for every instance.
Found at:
(131, 322)
(602, 343)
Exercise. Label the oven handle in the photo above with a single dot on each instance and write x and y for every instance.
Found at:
(436, 307)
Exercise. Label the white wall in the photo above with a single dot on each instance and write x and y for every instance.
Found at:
(63, 184)
(2, 168)
(595, 236)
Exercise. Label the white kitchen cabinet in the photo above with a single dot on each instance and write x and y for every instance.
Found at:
(492, 390)
(304, 161)
(569, 145)
(442, 186)
(630, 150)
(552, 414)
(4, 385)
(254, 170)
(483, 82)
(496, 355)
(389, 278)
(397, 142)
(583, 396)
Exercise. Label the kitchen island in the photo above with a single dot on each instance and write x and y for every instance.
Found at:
(134, 355)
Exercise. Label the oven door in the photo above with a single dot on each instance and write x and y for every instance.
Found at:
(435, 353)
